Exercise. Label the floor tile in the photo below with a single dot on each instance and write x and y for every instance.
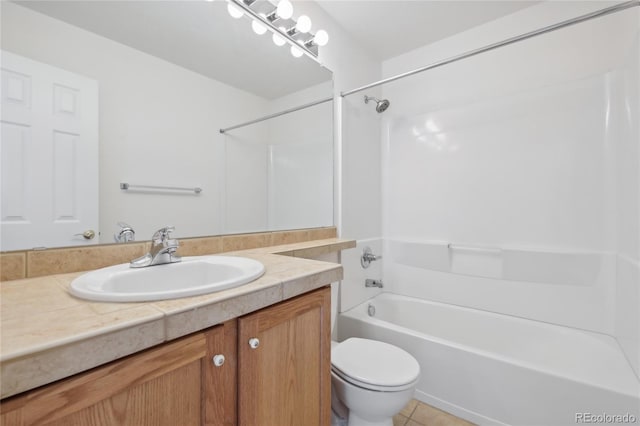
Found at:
(408, 409)
(427, 415)
(400, 420)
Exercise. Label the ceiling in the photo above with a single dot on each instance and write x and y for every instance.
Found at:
(388, 28)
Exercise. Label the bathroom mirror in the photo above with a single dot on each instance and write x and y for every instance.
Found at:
(157, 81)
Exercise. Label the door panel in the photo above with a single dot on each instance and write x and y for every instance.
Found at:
(49, 155)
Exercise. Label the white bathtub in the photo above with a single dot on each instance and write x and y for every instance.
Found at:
(498, 369)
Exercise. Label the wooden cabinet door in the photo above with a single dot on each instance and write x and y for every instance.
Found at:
(167, 385)
(220, 383)
(286, 379)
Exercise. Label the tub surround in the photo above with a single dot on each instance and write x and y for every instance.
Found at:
(47, 334)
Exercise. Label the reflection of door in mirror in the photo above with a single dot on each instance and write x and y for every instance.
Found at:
(49, 156)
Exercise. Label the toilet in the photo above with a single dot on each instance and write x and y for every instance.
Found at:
(373, 380)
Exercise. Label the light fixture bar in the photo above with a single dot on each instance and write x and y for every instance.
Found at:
(310, 50)
(273, 16)
(292, 31)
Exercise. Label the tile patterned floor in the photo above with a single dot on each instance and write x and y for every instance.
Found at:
(417, 413)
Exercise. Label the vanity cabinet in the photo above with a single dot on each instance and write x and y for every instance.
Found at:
(280, 378)
(284, 353)
(172, 384)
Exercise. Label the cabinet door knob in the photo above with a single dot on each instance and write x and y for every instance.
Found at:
(218, 360)
(254, 343)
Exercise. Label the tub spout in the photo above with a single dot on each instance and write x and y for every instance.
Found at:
(373, 283)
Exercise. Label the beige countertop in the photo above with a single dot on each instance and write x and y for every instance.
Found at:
(47, 334)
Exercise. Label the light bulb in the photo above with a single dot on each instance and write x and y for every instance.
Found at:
(296, 52)
(234, 11)
(321, 38)
(278, 39)
(285, 9)
(304, 24)
(258, 27)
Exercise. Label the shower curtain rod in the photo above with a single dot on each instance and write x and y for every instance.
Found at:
(278, 114)
(583, 18)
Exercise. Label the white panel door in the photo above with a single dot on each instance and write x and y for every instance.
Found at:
(48, 154)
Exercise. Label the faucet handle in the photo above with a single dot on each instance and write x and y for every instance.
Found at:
(163, 250)
(368, 257)
(162, 234)
(124, 234)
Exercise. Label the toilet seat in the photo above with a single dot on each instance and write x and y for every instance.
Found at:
(374, 365)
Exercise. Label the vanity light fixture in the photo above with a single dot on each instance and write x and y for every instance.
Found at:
(296, 52)
(278, 40)
(278, 18)
(284, 9)
(234, 11)
(321, 38)
(304, 24)
(258, 27)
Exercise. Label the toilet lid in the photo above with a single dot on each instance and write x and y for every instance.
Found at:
(374, 364)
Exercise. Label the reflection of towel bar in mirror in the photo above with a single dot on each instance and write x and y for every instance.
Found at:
(149, 188)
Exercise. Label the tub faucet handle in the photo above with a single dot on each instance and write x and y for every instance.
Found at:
(368, 257)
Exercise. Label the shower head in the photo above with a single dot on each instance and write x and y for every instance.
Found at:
(381, 105)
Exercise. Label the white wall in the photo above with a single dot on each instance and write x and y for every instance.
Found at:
(627, 164)
(526, 149)
(145, 103)
(279, 172)
(300, 161)
(357, 155)
(245, 179)
(358, 172)
(358, 161)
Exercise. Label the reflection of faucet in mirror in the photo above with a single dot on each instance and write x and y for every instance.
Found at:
(124, 234)
(163, 250)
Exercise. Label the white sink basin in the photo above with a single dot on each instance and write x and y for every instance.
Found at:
(193, 276)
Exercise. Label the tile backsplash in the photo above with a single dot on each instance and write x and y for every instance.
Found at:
(36, 263)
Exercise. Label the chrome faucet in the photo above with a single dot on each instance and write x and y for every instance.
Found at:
(125, 234)
(163, 250)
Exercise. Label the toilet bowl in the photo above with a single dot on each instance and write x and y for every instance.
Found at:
(373, 379)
